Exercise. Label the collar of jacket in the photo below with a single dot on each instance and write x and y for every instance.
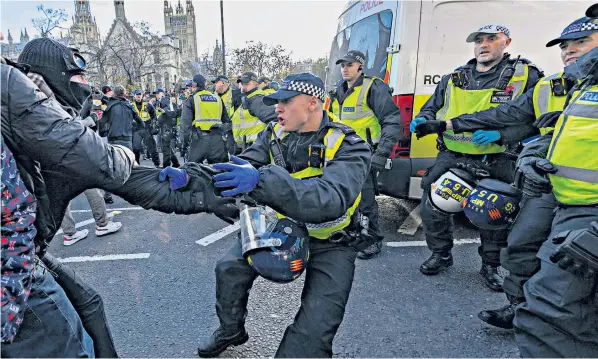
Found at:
(471, 64)
(245, 94)
(344, 85)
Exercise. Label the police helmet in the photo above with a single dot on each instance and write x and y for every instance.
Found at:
(276, 248)
(450, 190)
(492, 204)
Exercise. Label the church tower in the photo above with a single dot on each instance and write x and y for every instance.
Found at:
(180, 23)
(119, 7)
(84, 29)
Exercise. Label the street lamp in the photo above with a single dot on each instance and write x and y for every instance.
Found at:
(222, 27)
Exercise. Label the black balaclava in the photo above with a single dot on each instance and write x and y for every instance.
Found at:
(57, 63)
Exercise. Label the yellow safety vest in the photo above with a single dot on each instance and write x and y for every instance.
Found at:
(572, 150)
(227, 99)
(269, 91)
(245, 124)
(356, 113)
(546, 101)
(458, 102)
(332, 141)
(145, 116)
(207, 109)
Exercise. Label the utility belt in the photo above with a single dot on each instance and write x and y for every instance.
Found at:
(213, 130)
(120, 138)
(355, 235)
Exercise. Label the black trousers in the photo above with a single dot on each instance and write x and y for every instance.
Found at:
(529, 231)
(560, 315)
(328, 281)
(369, 207)
(439, 226)
(207, 146)
(141, 137)
(167, 142)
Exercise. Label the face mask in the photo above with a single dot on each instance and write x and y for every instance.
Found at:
(583, 66)
(80, 92)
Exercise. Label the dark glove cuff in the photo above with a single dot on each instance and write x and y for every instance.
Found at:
(378, 160)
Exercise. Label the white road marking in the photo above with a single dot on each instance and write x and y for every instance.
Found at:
(218, 234)
(411, 223)
(110, 257)
(423, 243)
(88, 221)
(109, 209)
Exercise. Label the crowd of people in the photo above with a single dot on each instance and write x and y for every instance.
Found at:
(312, 157)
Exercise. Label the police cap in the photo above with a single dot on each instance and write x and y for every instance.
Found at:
(579, 28)
(297, 84)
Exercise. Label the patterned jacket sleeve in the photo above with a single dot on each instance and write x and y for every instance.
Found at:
(18, 250)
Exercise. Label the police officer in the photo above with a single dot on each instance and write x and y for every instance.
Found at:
(365, 103)
(167, 115)
(145, 135)
(202, 118)
(542, 105)
(331, 192)
(264, 85)
(121, 119)
(231, 101)
(559, 316)
(253, 115)
(489, 79)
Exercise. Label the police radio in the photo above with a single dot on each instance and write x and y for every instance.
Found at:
(506, 75)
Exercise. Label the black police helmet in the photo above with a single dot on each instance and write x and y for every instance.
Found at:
(492, 205)
(286, 258)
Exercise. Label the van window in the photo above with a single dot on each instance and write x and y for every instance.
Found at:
(370, 36)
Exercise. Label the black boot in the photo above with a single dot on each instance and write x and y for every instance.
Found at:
(436, 262)
(492, 279)
(220, 340)
(502, 317)
(371, 251)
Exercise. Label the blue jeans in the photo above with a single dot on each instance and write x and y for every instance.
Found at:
(89, 305)
(51, 327)
(127, 144)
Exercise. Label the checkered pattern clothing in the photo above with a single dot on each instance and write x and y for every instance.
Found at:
(306, 88)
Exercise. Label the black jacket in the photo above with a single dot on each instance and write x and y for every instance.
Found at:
(314, 200)
(168, 118)
(119, 117)
(485, 80)
(59, 157)
(256, 107)
(381, 102)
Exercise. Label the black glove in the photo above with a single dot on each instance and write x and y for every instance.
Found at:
(533, 172)
(378, 162)
(477, 169)
(200, 180)
(548, 119)
(183, 153)
(577, 251)
(430, 127)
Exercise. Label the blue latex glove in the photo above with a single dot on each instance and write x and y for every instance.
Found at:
(241, 177)
(482, 137)
(416, 121)
(178, 178)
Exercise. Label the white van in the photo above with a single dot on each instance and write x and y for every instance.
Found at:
(412, 44)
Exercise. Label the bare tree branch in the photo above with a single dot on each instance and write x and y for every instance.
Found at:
(51, 20)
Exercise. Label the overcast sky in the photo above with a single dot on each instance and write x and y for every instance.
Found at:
(305, 27)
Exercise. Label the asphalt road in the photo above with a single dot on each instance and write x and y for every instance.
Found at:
(162, 303)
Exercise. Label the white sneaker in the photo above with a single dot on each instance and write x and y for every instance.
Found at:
(111, 227)
(79, 235)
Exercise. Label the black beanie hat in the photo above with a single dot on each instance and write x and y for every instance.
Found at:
(56, 63)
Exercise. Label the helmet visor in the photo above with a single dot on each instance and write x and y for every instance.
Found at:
(257, 225)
